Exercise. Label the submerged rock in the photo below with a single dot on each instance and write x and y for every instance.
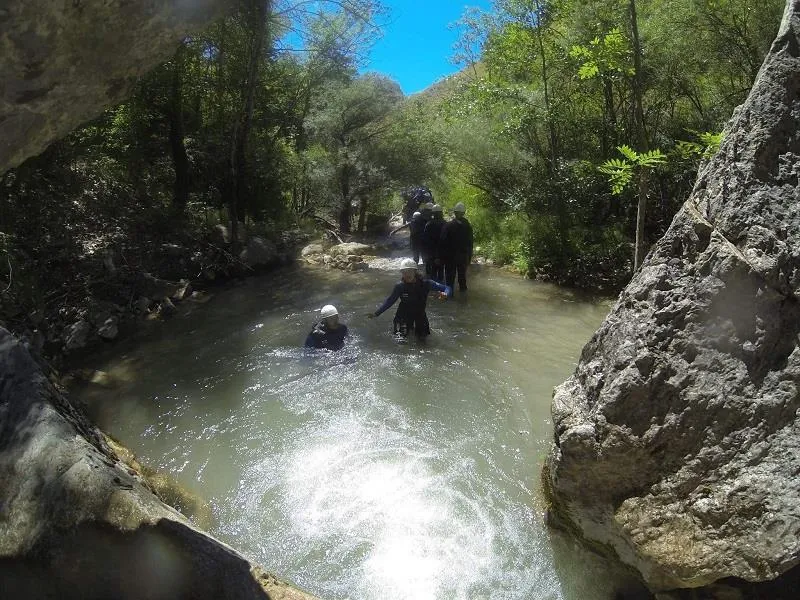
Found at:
(677, 439)
(109, 329)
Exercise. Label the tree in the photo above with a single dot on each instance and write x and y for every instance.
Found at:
(348, 120)
(621, 172)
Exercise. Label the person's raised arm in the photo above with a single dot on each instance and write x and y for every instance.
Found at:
(310, 342)
(388, 302)
(439, 287)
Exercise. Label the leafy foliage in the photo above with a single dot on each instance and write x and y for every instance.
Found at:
(621, 171)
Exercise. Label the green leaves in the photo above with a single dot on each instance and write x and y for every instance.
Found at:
(588, 70)
(629, 153)
(620, 172)
(706, 147)
(604, 56)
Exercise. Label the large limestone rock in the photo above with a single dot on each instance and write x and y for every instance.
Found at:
(77, 523)
(62, 63)
(677, 439)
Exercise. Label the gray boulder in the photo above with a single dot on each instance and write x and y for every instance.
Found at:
(76, 335)
(677, 439)
(259, 253)
(109, 329)
(221, 234)
(77, 522)
(312, 249)
(63, 63)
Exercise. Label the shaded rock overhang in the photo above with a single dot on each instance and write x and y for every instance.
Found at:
(63, 63)
(75, 522)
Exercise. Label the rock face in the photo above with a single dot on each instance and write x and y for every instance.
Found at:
(75, 522)
(677, 439)
(62, 63)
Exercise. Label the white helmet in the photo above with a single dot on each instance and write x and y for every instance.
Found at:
(329, 310)
(416, 214)
(460, 208)
(437, 209)
(408, 263)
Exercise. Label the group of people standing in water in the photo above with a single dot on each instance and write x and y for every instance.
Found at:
(445, 246)
(446, 250)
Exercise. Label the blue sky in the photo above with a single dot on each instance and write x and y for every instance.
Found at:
(417, 44)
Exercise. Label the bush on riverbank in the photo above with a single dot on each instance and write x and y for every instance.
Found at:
(87, 253)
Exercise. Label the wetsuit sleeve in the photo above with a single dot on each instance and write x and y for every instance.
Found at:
(390, 300)
(435, 285)
(311, 339)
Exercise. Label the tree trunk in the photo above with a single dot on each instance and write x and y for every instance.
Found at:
(641, 135)
(345, 209)
(551, 130)
(639, 251)
(362, 213)
(610, 133)
(180, 159)
(261, 9)
(235, 188)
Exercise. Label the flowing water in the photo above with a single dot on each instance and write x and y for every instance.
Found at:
(381, 471)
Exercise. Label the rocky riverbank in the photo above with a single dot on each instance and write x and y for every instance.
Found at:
(677, 439)
(78, 522)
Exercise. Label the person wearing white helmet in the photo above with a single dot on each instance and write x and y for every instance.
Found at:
(416, 225)
(456, 247)
(412, 290)
(434, 266)
(328, 333)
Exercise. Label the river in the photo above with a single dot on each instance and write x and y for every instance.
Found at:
(381, 471)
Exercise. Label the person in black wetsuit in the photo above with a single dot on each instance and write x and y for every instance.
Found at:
(327, 333)
(431, 236)
(456, 248)
(415, 228)
(414, 198)
(412, 290)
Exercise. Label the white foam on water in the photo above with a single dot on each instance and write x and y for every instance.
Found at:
(372, 487)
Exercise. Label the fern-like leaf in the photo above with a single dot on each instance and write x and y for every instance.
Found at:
(629, 153)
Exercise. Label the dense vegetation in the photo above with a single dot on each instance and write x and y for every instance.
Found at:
(568, 120)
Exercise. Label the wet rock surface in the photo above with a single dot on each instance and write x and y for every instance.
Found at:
(677, 439)
(77, 522)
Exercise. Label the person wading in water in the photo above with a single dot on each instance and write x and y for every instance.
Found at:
(412, 290)
(431, 235)
(415, 227)
(327, 333)
(456, 248)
